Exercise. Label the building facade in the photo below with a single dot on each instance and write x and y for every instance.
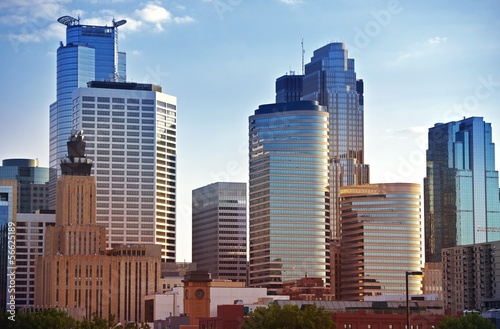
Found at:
(330, 79)
(471, 277)
(8, 215)
(432, 283)
(33, 183)
(219, 230)
(289, 88)
(131, 132)
(289, 225)
(29, 246)
(90, 53)
(77, 272)
(461, 187)
(381, 239)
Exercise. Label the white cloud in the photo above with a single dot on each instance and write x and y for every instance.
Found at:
(407, 133)
(292, 2)
(53, 31)
(436, 40)
(157, 15)
(422, 49)
(30, 11)
(154, 14)
(34, 20)
(184, 19)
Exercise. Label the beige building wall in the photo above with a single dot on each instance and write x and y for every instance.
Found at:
(433, 279)
(77, 273)
(100, 284)
(381, 239)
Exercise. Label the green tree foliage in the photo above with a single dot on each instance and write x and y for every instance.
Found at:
(56, 319)
(470, 321)
(289, 317)
(47, 318)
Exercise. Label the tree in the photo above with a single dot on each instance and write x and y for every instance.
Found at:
(57, 319)
(47, 318)
(289, 317)
(470, 321)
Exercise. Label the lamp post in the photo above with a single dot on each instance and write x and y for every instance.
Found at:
(408, 297)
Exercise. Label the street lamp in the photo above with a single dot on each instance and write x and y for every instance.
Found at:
(408, 297)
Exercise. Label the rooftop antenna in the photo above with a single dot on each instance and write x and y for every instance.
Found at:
(302, 43)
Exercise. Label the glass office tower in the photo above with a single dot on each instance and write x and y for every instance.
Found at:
(330, 79)
(461, 187)
(131, 135)
(90, 53)
(288, 162)
(33, 183)
(381, 239)
(220, 230)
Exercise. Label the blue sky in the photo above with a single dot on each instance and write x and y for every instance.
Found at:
(422, 62)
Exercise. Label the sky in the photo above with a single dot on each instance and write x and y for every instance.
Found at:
(422, 62)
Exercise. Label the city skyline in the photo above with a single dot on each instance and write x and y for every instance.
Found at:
(415, 74)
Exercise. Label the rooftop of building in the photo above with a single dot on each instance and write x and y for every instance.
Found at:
(124, 85)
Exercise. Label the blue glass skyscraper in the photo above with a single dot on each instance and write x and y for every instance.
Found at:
(461, 192)
(330, 79)
(90, 54)
(289, 219)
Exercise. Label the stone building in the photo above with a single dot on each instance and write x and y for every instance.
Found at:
(77, 273)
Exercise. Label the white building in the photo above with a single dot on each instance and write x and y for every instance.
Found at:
(171, 303)
(130, 130)
(30, 236)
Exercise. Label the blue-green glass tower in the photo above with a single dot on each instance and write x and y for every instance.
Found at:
(461, 192)
(90, 54)
(289, 218)
(330, 79)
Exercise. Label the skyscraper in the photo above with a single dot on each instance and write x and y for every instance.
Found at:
(90, 53)
(289, 218)
(380, 239)
(220, 230)
(461, 187)
(330, 79)
(29, 246)
(8, 206)
(76, 271)
(33, 183)
(130, 130)
(289, 88)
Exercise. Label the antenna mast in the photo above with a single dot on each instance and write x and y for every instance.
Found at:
(302, 43)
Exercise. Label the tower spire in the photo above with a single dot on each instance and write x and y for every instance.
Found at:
(302, 44)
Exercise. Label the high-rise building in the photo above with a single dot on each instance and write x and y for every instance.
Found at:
(130, 129)
(77, 273)
(219, 229)
(90, 53)
(461, 187)
(470, 277)
(33, 183)
(30, 235)
(330, 79)
(289, 218)
(8, 206)
(289, 88)
(381, 239)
